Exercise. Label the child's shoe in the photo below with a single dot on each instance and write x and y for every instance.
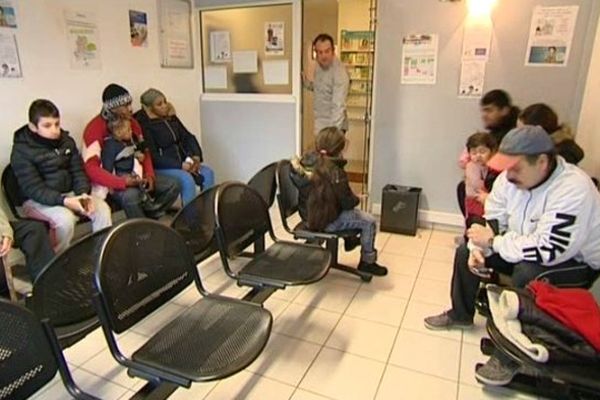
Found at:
(351, 242)
(372, 268)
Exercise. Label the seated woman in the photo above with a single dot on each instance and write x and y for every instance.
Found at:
(175, 151)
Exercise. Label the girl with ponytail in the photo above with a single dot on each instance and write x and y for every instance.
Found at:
(326, 201)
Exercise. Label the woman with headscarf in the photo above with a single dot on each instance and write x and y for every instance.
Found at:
(175, 151)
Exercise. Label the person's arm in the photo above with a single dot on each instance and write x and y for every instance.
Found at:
(30, 182)
(81, 183)
(561, 230)
(147, 163)
(348, 200)
(473, 179)
(93, 140)
(341, 82)
(5, 228)
(464, 158)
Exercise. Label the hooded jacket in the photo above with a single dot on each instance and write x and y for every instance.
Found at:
(302, 170)
(554, 222)
(169, 141)
(565, 145)
(46, 169)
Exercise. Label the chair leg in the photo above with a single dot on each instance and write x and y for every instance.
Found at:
(332, 246)
(155, 391)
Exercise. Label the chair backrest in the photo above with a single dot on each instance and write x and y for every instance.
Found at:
(264, 183)
(26, 359)
(196, 223)
(143, 264)
(63, 291)
(13, 194)
(242, 217)
(287, 196)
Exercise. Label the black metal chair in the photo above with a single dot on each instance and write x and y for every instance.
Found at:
(30, 355)
(14, 198)
(242, 220)
(287, 199)
(196, 223)
(63, 291)
(144, 264)
(572, 381)
(265, 184)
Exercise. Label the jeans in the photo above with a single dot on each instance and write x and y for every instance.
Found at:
(62, 220)
(187, 185)
(165, 193)
(465, 284)
(366, 223)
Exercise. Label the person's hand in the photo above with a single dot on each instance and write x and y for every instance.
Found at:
(311, 66)
(187, 166)
(477, 266)
(74, 204)
(481, 196)
(132, 181)
(87, 204)
(5, 245)
(480, 236)
(151, 183)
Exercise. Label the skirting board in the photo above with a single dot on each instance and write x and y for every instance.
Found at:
(427, 217)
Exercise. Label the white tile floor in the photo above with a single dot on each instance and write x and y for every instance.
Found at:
(337, 339)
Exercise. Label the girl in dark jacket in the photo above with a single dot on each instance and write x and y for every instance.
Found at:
(327, 202)
(175, 151)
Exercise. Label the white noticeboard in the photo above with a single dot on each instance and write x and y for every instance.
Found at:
(176, 49)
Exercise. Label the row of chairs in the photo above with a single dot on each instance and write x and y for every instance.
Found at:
(142, 264)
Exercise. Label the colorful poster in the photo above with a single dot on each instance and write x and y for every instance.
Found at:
(550, 36)
(138, 28)
(419, 59)
(10, 64)
(83, 39)
(274, 34)
(220, 47)
(8, 17)
(472, 77)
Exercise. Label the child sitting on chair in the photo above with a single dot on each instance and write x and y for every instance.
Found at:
(478, 177)
(326, 201)
(123, 156)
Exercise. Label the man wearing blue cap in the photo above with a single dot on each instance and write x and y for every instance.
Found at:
(542, 221)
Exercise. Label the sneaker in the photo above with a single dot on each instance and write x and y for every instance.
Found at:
(372, 268)
(351, 242)
(496, 371)
(445, 322)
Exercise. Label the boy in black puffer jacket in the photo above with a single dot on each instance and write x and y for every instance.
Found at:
(50, 174)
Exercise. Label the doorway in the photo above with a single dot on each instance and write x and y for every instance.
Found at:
(352, 24)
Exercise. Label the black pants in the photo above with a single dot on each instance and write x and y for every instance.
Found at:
(465, 284)
(136, 205)
(461, 193)
(33, 240)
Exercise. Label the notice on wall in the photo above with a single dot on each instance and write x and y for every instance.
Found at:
(245, 62)
(276, 72)
(274, 32)
(419, 59)
(83, 40)
(220, 47)
(472, 77)
(138, 28)
(8, 17)
(10, 64)
(550, 36)
(477, 40)
(215, 77)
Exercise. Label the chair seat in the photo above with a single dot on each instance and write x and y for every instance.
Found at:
(287, 264)
(213, 339)
(301, 230)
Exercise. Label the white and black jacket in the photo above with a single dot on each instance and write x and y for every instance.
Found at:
(552, 223)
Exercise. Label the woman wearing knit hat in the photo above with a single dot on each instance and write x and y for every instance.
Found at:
(116, 104)
(175, 151)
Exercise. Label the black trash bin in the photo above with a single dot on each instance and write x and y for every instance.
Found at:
(399, 209)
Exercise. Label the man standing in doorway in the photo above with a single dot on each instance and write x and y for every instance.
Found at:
(329, 81)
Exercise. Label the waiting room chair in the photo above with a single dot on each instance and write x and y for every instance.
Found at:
(142, 266)
(30, 355)
(265, 184)
(62, 293)
(242, 220)
(196, 224)
(287, 199)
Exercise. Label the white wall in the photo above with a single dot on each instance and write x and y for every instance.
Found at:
(47, 73)
(420, 130)
(588, 135)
